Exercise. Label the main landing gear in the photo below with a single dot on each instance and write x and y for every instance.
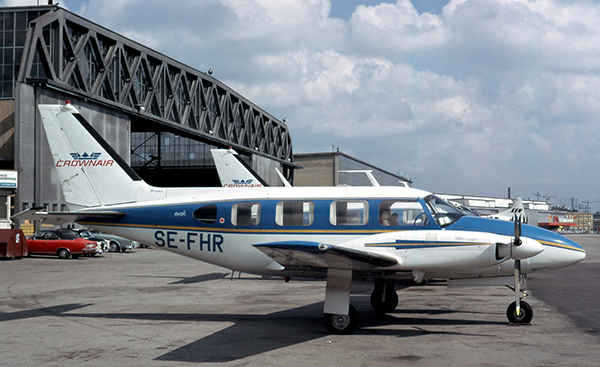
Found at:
(384, 298)
(342, 324)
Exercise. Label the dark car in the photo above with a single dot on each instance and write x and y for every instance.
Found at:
(62, 243)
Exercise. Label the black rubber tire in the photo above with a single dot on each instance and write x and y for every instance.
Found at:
(389, 304)
(113, 247)
(63, 253)
(342, 324)
(526, 313)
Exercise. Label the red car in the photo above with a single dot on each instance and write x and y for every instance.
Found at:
(62, 243)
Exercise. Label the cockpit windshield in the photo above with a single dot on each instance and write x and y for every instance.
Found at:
(443, 212)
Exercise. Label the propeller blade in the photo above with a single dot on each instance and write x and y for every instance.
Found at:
(517, 240)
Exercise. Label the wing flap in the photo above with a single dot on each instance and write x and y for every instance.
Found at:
(307, 254)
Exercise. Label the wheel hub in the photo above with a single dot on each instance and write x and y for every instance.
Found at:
(340, 321)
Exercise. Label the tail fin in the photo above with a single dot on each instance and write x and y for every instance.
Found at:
(90, 171)
(232, 171)
(516, 212)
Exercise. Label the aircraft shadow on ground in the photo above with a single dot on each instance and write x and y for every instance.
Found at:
(58, 310)
(187, 280)
(216, 276)
(255, 334)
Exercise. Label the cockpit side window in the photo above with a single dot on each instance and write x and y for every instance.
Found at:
(443, 212)
(402, 213)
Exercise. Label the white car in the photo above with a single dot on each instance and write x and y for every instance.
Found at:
(115, 243)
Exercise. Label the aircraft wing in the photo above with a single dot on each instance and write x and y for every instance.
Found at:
(307, 254)
(59, 218)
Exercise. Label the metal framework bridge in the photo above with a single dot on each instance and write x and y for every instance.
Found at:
(67, 52)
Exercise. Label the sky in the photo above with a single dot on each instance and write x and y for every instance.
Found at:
(463, 96)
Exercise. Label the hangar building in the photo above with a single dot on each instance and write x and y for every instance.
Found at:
(160, 115)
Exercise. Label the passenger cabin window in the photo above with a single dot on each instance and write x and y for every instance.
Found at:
(245, 214)
(294, 213)
(402, 213)
(206, 214)
(349, 213)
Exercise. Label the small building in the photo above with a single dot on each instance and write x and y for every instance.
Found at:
(596, 219)
(584, 221)
(558, 222)
(338, 168)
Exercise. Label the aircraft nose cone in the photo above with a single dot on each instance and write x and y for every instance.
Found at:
(577, 252)
(569, 252)
(577, 256)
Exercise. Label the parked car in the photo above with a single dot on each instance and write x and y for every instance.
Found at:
(62, 243)
(115, 243)
(84, 233)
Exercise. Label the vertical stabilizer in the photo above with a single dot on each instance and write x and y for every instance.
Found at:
(516, 212)
(90, 171)
(232, 172)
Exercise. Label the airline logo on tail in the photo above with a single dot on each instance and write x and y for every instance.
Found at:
(243, 183)
(84, 160)
(85, 156)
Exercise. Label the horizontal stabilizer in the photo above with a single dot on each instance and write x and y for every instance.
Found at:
(307, 254)
(59, 218)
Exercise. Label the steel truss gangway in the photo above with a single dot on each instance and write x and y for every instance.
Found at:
(70, 53)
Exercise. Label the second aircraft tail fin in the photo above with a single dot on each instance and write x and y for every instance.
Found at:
(232, 171)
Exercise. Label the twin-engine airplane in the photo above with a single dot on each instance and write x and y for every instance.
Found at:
(337, 233)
